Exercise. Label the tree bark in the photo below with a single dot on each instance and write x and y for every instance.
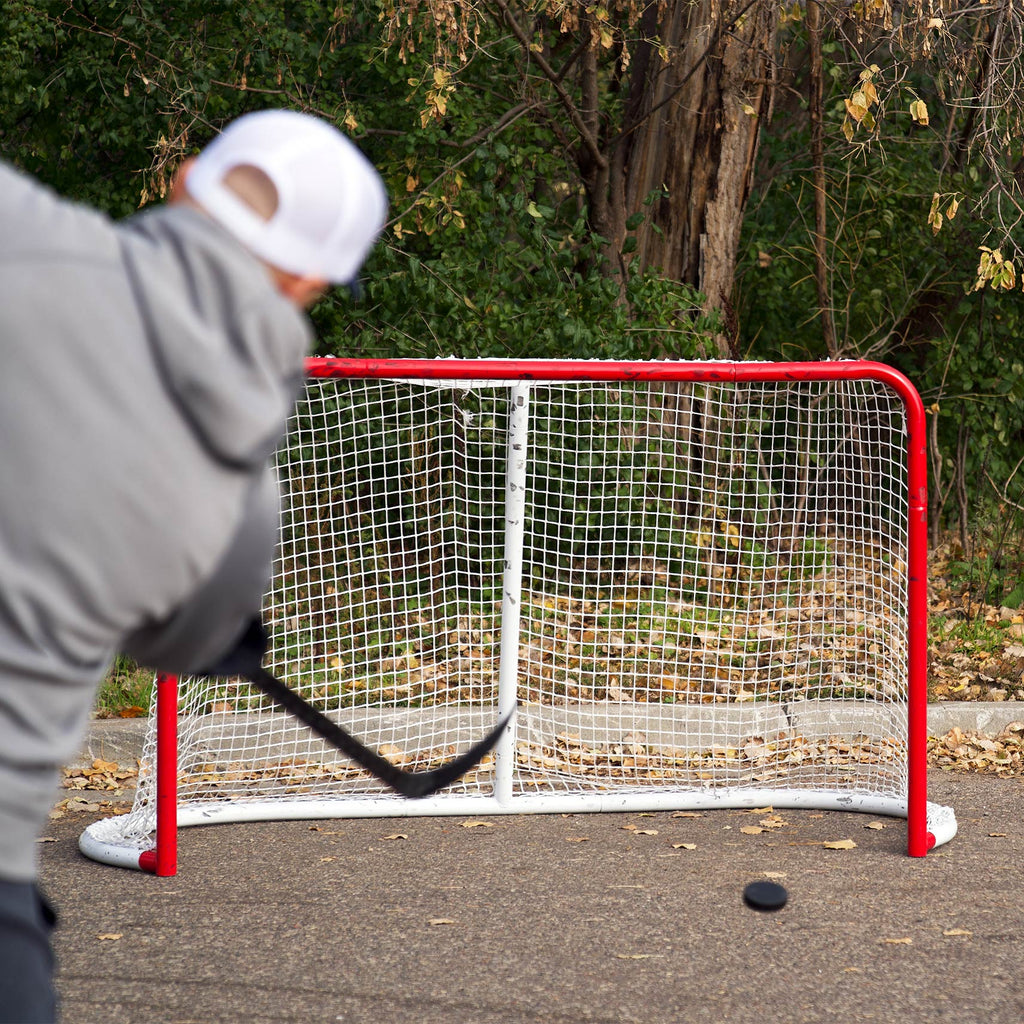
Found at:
(699, 93)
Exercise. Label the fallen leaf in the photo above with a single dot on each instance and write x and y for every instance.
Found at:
(397, 835)
(478, 824)
(687, 814)
(440, 920)
(78, 804)
(774, 874)
(640, 831)
(997, 835)
(327, 860)
(840, 844)
(133, 712)
(684, 846)
(46, 839)
(577, 839)
(637, 956)
(899, 942)
(751, 830)
(852, 970)
(109, 936)
(876, 825)
(958, 931)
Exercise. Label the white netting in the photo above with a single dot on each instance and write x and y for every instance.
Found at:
(713, 598)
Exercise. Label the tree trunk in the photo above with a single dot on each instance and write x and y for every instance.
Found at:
(698, 95)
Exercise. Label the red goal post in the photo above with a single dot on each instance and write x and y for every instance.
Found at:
(703, 583)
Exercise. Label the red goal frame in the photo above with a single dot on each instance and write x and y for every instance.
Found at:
(162, 859)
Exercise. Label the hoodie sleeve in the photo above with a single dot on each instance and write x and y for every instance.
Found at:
(209, 623)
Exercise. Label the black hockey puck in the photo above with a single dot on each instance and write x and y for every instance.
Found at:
(765, 896)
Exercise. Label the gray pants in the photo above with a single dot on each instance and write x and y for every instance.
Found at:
(27, 995)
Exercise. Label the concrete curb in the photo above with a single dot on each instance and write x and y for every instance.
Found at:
(121, 740)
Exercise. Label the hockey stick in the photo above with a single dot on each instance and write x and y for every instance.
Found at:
(410, 784)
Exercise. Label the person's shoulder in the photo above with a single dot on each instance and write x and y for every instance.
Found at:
(35, 219)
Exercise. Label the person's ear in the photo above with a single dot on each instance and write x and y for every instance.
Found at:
(177, 191)
(304, 292)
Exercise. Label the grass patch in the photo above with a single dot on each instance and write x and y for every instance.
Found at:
(125, 692)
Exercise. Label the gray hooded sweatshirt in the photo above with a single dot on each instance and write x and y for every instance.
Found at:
(148, 368)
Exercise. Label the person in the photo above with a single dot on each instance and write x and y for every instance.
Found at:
(149, 367)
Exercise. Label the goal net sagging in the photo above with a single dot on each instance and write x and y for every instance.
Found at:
(696, 589)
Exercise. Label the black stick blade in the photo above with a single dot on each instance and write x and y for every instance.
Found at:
(410, 784)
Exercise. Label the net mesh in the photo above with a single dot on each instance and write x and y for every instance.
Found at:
(713, 593)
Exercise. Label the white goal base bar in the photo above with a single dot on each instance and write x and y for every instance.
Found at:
(95, 840)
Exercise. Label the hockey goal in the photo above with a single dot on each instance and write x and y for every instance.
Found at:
(703, 584)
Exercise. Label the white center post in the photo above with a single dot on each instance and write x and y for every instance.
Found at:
(512, 584)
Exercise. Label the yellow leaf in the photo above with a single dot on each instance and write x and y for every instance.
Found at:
(950, 932)
(110, 936)
(856, 107)
(396, 835)
(434, 921)
(919, 112)
(478, 824)
(684, 846)
(751, 830)
(899, 942)
(848, 129)
(841, 844)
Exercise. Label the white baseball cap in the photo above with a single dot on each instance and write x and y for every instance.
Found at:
(331, 203)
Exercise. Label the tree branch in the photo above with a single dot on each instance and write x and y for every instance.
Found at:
(589, 139)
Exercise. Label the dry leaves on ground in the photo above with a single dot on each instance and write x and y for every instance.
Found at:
(1000, 754)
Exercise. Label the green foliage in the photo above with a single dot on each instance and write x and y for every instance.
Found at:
(488, 253)
(127, 689)
(905, 229)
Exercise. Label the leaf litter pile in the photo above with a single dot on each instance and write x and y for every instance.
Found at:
(108, 787)
(984, 663)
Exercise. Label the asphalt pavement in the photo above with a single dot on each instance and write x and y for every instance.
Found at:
(556, 919)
